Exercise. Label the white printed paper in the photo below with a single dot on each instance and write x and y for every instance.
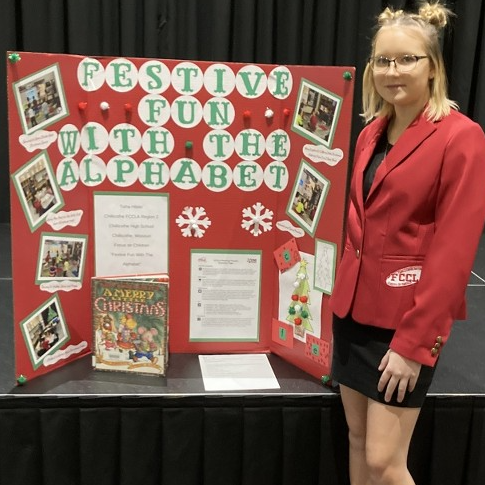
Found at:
(131, 233)
(237, 372)
(225, 295)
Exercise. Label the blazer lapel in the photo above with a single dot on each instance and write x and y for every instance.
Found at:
(413, 136)
(378, 128)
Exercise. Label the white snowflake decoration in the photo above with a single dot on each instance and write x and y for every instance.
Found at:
(258, 221)
(194, 224)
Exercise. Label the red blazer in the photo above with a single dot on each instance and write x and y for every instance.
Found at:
(411, 245)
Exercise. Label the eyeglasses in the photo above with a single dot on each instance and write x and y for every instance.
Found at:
(404, 63)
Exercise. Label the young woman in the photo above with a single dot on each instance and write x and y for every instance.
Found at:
(416, 214)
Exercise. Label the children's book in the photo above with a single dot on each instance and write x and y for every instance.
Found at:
(130, 323)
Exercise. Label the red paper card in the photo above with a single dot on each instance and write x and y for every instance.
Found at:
(287, 256)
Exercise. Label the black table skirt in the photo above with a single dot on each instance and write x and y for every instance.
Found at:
(219, 440)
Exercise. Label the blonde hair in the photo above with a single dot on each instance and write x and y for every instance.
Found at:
(428, 22)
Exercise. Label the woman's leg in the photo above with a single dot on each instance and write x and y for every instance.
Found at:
(388, 435)
(355, 407)
(379, 438)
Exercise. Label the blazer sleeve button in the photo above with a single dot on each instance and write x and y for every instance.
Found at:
(434, 352)
(357, 253)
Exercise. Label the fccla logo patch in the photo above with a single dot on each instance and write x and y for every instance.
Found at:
(404, 277)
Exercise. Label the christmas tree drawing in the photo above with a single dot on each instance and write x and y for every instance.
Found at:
(298, 311)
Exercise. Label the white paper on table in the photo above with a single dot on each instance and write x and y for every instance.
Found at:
(237, 372)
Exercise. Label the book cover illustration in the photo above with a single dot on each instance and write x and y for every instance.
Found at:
(130, 320)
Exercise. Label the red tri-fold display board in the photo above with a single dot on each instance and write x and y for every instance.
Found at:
(229, 177)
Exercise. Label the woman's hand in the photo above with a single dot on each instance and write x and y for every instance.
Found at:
(397, 372)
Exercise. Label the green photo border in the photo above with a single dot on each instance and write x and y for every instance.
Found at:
(39, 279)
(16, 176)
(308, 134)
(64, 110)
(34, 359)
(309, 228)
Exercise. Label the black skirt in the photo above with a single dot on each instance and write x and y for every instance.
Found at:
(357, 352)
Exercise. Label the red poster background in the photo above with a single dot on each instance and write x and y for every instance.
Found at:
(223, 208)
